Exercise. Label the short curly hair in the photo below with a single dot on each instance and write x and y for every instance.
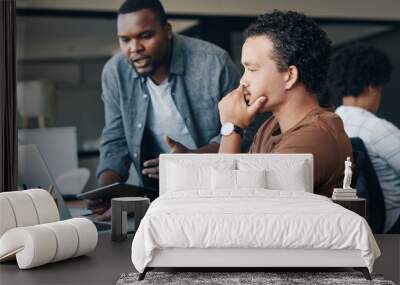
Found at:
(298, 41)
(355, 67)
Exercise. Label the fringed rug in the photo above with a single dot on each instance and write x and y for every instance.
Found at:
(243, 278)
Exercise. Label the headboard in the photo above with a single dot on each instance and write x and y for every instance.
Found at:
(281, 163)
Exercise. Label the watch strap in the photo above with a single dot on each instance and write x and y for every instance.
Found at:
(238, 130)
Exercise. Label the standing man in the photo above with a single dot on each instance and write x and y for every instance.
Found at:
(160, 95)
(356, 77)
(286, 59)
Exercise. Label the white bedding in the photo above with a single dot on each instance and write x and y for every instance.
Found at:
(251, 218)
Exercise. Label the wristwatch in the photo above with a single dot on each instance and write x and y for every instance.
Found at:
(228, 128)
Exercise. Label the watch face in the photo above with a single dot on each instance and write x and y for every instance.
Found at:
(227, 129)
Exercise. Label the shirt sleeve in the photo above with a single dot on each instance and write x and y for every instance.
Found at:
(386, 143)
(216, 139)
(229, 80)
(114, 154)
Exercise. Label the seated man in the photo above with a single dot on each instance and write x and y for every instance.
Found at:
(356, 76)
(286, 59)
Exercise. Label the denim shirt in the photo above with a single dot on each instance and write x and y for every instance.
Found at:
(200, 74)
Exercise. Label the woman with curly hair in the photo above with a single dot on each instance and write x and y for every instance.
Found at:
(356, 77)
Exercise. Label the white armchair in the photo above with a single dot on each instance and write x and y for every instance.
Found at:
(31, 233)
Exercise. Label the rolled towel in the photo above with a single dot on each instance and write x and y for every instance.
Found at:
(40, 244)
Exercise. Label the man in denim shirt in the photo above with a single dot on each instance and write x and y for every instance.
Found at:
(159, 77)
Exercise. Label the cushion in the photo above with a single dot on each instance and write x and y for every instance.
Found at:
(236, 179)
(26, 208)
(87, 235)
(251, 178)
(280, 175)
(23, 208)
(7, 218)
(66, 237)
(223, 179)
(40, 244)
(186, 175)
(293, 180)
(45, 206)
(189, 177)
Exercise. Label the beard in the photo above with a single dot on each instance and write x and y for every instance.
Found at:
(146, 70)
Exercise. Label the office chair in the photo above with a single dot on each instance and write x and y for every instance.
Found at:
(358, 158)
(367, 184)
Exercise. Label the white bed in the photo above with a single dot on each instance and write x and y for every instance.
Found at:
(202, 219)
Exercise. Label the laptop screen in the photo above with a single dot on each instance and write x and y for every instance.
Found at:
(34, 173)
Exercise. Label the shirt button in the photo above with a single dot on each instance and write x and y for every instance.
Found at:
(139, 125)
(135, 155)
(145, 96)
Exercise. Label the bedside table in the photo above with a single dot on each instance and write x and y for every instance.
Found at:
(357, 205)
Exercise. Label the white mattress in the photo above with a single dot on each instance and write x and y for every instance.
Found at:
(252, 218)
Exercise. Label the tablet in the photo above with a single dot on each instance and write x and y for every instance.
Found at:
(119, 190)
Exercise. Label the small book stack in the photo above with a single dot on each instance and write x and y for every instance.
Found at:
(343, 194)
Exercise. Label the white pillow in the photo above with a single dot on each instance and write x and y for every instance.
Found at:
(236, 179)
(293, 179)
(182, 178)
(184, 175)
(251, 178)
(223, 179)
(281, 175)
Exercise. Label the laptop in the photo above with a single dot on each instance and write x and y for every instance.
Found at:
(33, 172)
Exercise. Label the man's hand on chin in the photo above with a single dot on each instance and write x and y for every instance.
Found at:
(233, 108)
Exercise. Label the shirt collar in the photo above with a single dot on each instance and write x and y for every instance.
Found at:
(353, 109)
(177, 61)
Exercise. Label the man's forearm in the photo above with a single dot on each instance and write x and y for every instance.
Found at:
(108, 177)
(230, 144)
(209, 148)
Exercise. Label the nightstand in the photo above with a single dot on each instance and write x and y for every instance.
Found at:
(357, 205)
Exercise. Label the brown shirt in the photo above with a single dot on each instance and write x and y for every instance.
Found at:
(321, 133)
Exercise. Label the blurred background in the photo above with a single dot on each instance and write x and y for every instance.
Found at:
(62, 46)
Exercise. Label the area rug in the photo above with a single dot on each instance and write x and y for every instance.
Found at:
(243, 278)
